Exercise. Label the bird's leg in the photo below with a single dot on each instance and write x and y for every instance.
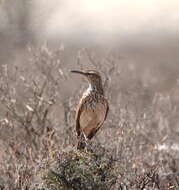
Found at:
(88, 143)
(81, 142)
(84, 144)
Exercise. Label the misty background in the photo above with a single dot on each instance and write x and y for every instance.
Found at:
(135, 47)
(143, 33)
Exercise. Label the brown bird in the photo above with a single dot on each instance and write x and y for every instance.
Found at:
(92, 109)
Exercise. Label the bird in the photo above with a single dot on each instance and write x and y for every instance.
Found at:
(92, 109)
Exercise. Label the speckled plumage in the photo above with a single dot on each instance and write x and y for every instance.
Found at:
(92, 109)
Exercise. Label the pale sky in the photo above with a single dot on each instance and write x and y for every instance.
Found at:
(106, 17)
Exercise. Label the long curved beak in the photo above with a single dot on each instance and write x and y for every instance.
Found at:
(78, 72)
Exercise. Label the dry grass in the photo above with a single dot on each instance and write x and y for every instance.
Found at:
(37, 127)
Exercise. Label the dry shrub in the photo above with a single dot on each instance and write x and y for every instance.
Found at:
(80, 170)
(37, 122)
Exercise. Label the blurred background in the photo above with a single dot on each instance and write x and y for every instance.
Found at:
(144, 32)
(135, 46)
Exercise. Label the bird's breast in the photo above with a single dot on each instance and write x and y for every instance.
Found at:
(92, 99)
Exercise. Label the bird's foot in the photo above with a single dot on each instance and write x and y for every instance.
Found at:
(89, 147)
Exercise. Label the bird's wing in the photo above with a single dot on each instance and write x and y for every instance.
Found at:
(90, 118)
(100, 114)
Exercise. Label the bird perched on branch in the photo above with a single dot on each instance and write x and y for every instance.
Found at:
(92, 109)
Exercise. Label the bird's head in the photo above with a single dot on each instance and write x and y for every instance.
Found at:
(92, 76)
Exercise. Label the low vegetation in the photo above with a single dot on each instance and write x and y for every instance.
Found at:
(135, 150)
